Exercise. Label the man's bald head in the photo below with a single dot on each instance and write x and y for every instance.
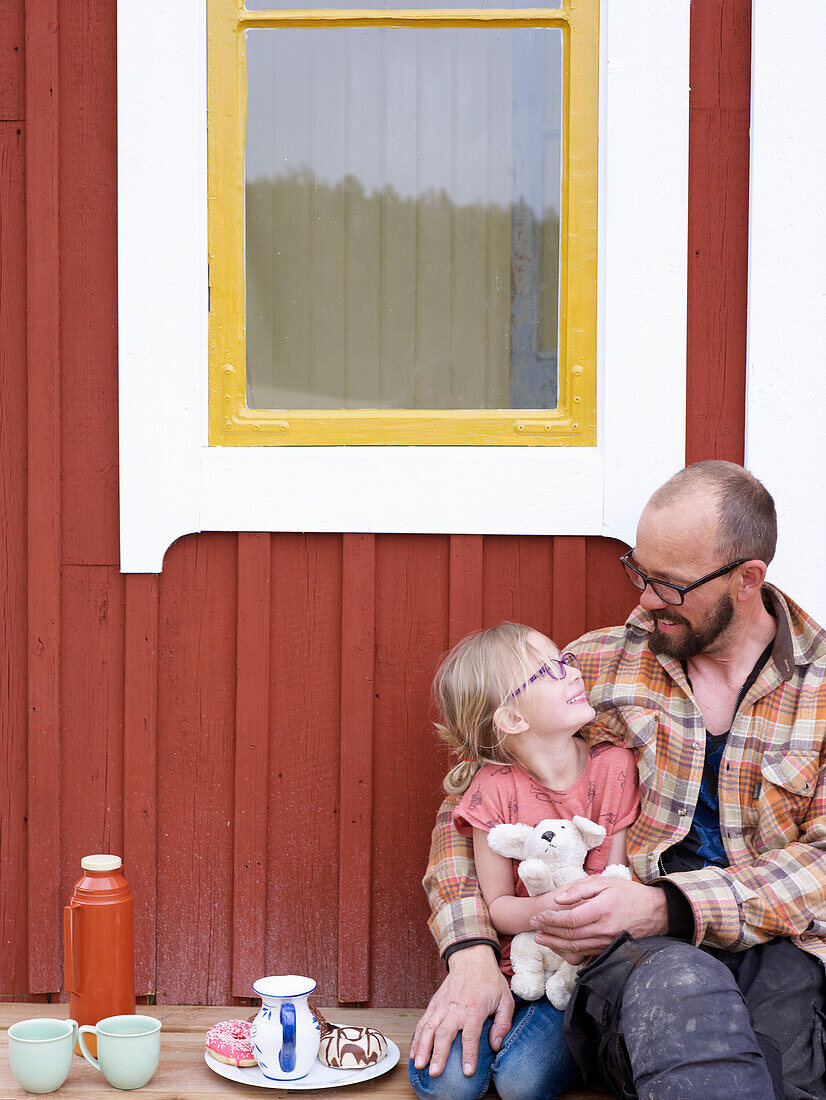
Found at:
(747, 521)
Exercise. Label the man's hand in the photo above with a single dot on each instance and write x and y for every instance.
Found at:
(474, 989)
(590, 914)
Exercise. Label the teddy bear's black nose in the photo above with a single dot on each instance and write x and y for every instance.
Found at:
(548, 836)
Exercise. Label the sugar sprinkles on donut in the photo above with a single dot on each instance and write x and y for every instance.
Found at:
(230, 1042)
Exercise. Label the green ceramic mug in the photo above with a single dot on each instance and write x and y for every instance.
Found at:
(40, 1052)
(129, 1048)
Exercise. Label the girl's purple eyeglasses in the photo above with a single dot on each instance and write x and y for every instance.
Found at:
(555, 667)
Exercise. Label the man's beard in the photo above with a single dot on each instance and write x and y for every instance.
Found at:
(694, 641)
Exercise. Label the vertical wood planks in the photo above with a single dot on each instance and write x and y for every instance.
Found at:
(304, 766)
(140, 767)
(88, 258)
(358, 602)
(12, 83)
(44, 497)
(91, 766)
(196, 729)
(13, 710)
(518, 582)
(570, 581)
(466, 576)
(408, 762)
(718, 220)
(609, 597)
(252, 733)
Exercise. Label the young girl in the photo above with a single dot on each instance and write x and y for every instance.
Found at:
(511, 707)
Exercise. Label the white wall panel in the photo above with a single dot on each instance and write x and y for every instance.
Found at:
(786, 380)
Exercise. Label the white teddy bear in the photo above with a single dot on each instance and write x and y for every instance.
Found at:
(553, 855)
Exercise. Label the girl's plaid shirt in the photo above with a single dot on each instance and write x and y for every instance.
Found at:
(772, 788)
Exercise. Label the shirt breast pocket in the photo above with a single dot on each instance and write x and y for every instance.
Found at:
(787, 786)
(638, 727)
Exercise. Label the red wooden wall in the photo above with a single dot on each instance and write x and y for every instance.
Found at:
(251, 727)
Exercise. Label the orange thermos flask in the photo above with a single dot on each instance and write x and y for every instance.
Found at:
(98, 942)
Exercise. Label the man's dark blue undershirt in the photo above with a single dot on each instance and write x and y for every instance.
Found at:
(703, 844)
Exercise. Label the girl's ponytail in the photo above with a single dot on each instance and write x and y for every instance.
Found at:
(458, 778)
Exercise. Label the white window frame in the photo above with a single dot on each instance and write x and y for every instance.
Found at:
(172, 483)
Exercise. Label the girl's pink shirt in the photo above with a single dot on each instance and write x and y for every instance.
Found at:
(606, 792)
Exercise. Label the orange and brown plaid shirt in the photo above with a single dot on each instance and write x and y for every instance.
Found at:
(772, 788)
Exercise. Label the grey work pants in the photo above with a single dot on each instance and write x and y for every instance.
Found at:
(659, 1019)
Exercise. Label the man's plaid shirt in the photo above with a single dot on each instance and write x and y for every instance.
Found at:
(772, 789)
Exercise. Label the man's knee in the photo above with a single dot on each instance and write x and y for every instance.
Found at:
(670, 1022)
(687, 1029)
(676, 984)
(685, 1001)
(676, 973)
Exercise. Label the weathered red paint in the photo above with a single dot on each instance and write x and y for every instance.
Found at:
(358, 648)
(267, 698)
(13, 572)
(304, 762)
(140, 765)
(252, 725)
(718, 224)
(44, 487)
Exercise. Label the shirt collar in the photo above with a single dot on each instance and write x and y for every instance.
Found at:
(799, 639)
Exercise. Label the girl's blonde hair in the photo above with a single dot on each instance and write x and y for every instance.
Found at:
(473, 681)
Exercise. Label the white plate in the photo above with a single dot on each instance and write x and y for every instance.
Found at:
(319, 1077)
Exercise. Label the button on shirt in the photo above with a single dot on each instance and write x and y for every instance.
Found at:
(704, 843)
(772, 788)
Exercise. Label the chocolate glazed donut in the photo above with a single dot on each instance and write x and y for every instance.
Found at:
(352, 1047)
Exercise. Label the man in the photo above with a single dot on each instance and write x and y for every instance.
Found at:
(706, 977)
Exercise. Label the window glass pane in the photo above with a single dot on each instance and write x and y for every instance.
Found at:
(402, 218)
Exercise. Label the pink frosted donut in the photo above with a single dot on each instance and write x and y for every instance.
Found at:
(230, 1042)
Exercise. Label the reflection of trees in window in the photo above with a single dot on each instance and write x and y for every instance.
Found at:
(375, 300)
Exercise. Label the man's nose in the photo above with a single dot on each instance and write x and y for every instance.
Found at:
(650, 600)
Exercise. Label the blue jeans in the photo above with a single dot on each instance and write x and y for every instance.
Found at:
(533, 1064)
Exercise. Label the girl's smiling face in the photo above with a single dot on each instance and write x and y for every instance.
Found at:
(552, 707)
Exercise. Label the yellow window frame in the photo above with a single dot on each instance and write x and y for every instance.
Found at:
(574, 421)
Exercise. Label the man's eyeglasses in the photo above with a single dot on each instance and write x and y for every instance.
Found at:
(670, 593)
(555, 667)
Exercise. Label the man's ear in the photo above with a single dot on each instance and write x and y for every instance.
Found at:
(508, 720)
(751, 576)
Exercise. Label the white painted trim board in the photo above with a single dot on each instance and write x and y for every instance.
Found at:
(173, 483)
(786, 380)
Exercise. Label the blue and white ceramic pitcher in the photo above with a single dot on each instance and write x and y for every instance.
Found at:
(285, 1034)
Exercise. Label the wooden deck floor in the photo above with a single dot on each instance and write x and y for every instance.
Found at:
(183, 1075)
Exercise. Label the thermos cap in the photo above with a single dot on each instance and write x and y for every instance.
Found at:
(101, 863)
